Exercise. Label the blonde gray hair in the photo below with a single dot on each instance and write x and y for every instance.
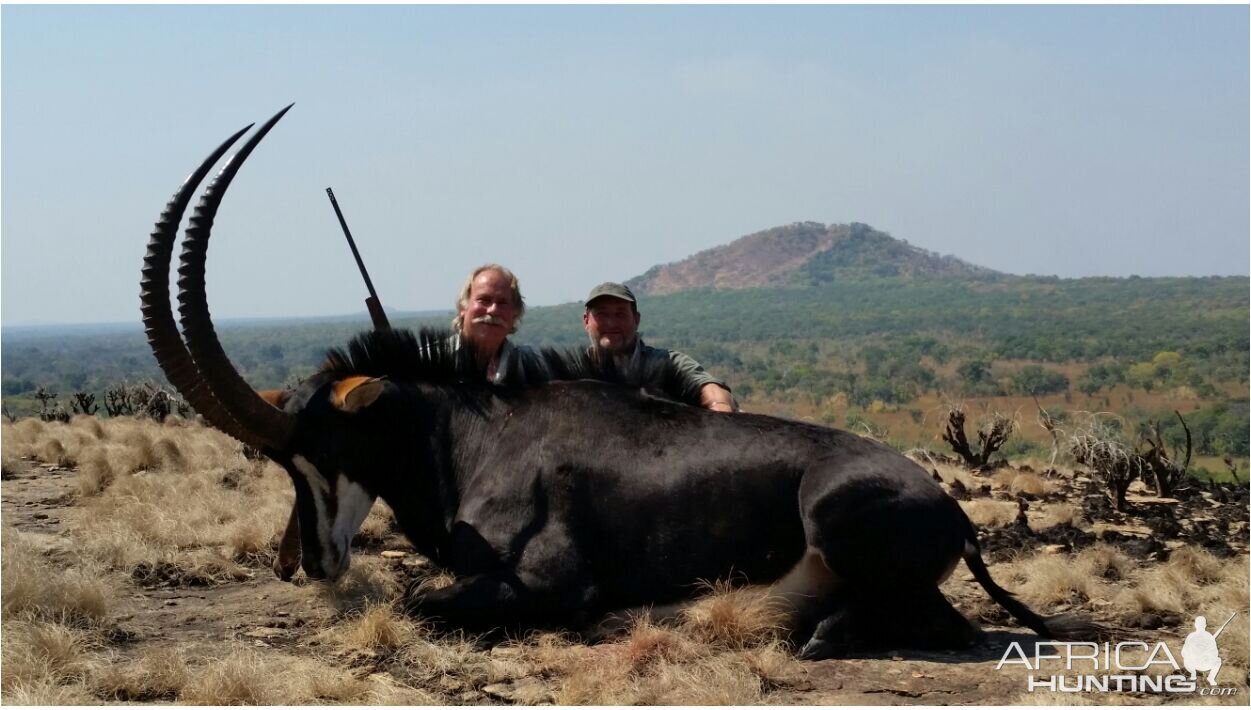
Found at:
(462, 301)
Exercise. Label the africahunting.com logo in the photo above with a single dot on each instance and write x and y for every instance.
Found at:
(1125, 667)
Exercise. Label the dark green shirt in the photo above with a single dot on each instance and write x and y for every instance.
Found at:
(645, 367)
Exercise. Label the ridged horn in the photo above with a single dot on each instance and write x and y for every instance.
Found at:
(261, 419)
(158, 320)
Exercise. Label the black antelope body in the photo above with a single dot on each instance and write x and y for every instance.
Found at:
(555, 503)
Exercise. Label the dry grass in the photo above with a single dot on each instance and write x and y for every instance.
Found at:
(1192, 582)
(1029, 485)
(378, 629)
(245, 677)
(178, 504)
(35, 652)
(156, 675)
(989, 513)
(35, 587)
(367, 583)
(1058, 514)
(734, 618)
(173, 501)
(377, 525)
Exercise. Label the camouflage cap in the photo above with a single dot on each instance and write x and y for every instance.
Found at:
(615, 290)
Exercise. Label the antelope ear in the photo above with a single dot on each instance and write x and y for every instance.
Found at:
(355, 393)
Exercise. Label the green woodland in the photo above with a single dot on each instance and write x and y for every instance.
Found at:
(877, 340)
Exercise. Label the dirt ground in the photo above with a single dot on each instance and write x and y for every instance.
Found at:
(257, 610)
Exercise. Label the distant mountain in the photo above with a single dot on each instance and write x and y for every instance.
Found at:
(803, 254)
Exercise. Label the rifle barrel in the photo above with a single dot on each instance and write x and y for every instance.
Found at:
(352, 243)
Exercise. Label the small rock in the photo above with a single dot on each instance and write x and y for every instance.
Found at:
(171, 602)
(282, 613)
(40, 516)
(394, 554)
(1053, 549)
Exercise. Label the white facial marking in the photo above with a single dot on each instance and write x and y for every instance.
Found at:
(316, 481)
(354, 504)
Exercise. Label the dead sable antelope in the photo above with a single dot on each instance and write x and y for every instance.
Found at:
(556, 503)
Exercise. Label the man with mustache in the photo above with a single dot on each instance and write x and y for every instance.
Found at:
(612, 319)
(487, 311)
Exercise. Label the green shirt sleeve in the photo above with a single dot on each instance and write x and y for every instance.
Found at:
(687, 378)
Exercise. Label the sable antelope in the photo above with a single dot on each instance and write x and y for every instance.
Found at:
(556, 503)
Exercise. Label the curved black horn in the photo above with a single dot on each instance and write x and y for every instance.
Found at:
(158, 320)
(263, 420)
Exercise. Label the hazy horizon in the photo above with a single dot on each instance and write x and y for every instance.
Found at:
(584, 144)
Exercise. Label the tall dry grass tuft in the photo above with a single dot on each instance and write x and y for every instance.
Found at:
(35, 652)
(987, 513)
(33, 587)
(53, 451)
(734, 618)
(155, 675)
(88, 424)
(10, 464)
(378, 629)
(649, 644)
(169, 456)
(1058, 514)
(242, 677)
(1029, 484)
(95, 474)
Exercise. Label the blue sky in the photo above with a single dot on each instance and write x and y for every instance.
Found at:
(581, 144)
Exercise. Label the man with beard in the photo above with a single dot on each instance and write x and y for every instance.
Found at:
(612, 319)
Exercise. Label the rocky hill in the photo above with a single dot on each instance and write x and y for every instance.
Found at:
(802, 254)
